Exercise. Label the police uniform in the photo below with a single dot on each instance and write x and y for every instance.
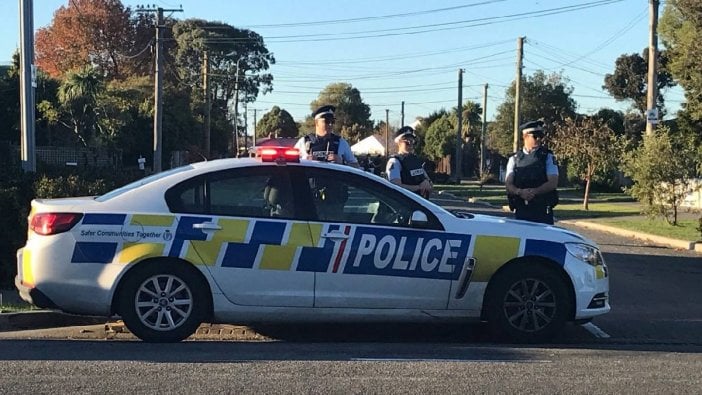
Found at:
(318, 148)
(531, 169)
(407, 167)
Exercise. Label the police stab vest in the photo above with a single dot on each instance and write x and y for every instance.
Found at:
(318, 148)
(412, 171)
(530, 172)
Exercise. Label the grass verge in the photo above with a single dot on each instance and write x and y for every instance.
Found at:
(684, 230)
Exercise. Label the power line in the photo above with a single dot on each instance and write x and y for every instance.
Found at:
(372, 18)
(394, 32)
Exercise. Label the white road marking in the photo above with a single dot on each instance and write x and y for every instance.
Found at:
(595, 330)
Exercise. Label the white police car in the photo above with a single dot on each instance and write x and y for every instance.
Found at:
(272, 239)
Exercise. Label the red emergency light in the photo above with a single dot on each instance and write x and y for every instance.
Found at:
(278, 154)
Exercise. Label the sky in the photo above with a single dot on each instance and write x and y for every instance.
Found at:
(411, 50)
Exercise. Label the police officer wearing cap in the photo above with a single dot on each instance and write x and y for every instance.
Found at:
(323, 145)
(406, 169)
(532, 177)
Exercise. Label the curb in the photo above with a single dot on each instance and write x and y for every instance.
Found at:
(37, 319)
(679, 244)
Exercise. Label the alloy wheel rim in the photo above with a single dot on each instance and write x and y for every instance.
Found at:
(163, 302)
(529, 305)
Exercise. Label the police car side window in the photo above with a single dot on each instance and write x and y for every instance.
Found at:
(354, 199)
(247, 192)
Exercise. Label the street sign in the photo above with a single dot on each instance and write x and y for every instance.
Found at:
(652, 115)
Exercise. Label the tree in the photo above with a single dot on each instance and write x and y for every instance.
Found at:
(440, 138)
(545, 97)
(681, 32)
(226, 46)
(230, 51)
(588, 144)
(350, 111)
(471, 120)
(278, 123)
(77, 96)
(630, 78)
(661, 169)
(98, 33)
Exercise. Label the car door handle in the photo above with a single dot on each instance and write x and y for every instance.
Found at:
(335, 235)
(207, 226)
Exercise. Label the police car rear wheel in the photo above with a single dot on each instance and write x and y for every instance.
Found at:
(162, 303)
(528, 304)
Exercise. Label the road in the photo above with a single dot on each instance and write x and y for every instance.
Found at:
(651, 341)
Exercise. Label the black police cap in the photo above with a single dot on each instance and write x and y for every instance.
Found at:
(324, 111)
(404, 131)
(532, 127)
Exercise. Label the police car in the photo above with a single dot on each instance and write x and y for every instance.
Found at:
(274, 238)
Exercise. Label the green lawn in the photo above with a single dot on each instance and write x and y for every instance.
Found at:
(495, 194)
(615, 209)
(11, 307)
(684, 230)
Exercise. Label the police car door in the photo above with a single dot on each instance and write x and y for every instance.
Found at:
(247, 234)
(370, 257)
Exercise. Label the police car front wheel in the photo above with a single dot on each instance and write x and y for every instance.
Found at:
(528, 303)
(162, 302)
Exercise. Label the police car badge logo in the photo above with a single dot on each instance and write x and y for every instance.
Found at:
(167, 235)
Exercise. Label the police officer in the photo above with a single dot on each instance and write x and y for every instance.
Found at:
(323, 145)
(532, 177)
(406, 169)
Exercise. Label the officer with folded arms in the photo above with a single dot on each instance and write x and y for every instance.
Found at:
(406, 169)
(323, 145)
(532, 177)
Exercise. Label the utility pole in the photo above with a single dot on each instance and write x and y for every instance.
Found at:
(402, 118)
(387, 134)
(652, 91)
(518, 92)
(236, 110)
(158, 81)
(482, 132)
(208, 102)
(459, 129)
(246, 129)
(255, 125)
(27, 85)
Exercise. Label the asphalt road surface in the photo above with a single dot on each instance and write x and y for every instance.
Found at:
(651, 341)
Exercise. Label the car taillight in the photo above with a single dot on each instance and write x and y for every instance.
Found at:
(53, 223)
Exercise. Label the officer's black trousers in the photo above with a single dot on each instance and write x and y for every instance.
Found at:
(540, 214)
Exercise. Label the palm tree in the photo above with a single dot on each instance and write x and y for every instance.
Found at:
(77, 96)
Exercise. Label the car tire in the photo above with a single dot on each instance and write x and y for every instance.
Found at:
(528, 303)
(163, 302)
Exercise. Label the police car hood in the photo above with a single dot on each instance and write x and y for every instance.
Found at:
(499, 226)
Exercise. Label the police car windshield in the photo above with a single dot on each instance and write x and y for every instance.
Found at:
(136, 184)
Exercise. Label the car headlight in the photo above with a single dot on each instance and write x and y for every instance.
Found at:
(585, 253)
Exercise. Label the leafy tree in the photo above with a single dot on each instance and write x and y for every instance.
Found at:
(589, 145)
(9, 101)
(230, 51)
(125, 120)
(99, 33)
(681, 32)
(545, 97)
(350, 111)
(277, 122)
(225, 45)
(630, 78)
(661, 169)
(440, 138)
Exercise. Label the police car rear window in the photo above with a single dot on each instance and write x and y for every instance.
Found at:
(144, 181)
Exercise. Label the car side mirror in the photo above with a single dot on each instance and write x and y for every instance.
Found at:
(419, 218)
